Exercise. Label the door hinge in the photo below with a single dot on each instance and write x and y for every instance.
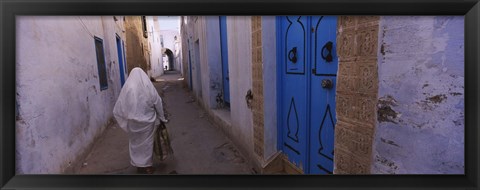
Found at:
(314, 71)
(313, 30)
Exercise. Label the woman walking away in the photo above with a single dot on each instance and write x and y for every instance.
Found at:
(139, 111)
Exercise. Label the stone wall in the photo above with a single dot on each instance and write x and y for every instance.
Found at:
(356, 95)
(257, 86)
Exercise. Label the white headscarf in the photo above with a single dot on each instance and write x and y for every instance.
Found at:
(138, 101)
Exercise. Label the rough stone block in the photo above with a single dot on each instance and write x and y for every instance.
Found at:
(357, 139)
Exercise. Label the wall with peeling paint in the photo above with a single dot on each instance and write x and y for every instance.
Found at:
(206, 31)
(213, 59)
(421, 96)
(60, 104)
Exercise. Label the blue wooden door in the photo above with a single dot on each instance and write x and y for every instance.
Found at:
(307, 115)
(120, 60)
(224, 47)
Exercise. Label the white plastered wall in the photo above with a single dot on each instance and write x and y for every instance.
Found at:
(61, 106)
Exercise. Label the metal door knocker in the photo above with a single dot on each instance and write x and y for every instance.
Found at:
(293, 58)
(249, 98)
(327, 46)
(327, 83)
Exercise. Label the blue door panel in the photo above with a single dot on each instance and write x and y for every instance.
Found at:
(294, 122)
(322, 126)
(323, 118)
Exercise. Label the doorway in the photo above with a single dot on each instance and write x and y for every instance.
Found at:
(224, 52)
(171, 59)
(189, 65)
(198, 69)
(121, 58)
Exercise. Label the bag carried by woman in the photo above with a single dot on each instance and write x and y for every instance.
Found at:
(161, 145)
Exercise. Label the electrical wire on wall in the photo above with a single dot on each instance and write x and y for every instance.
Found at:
(85, 27)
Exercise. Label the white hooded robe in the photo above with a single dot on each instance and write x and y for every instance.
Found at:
(138, 111)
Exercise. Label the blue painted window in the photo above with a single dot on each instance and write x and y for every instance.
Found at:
(102, 70)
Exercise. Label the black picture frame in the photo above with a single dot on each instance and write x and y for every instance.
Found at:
(10, 8)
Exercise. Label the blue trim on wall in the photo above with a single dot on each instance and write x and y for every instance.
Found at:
(118, 41)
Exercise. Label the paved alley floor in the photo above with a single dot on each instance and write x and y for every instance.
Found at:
(199, 147)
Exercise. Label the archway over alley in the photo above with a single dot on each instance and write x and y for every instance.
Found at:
(170, 59)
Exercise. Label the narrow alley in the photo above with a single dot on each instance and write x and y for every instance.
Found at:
(242, 94)
(199, 147)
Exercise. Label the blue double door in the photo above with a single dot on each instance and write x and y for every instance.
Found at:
(308, 66)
